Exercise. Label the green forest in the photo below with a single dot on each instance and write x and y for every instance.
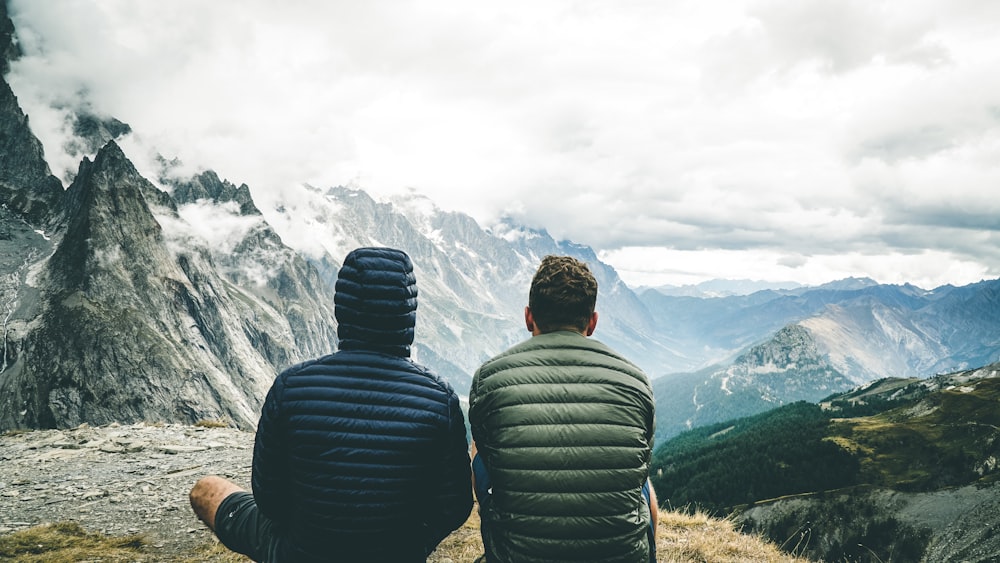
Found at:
(895, 434)
(781, 452)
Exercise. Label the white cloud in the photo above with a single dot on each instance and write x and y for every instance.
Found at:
(785, 131)
(219, 225)
(926, 269)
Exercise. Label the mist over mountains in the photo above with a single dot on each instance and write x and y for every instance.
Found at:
(176, 298)
(720, 288)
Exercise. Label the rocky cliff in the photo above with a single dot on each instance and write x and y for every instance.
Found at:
(26, 185)
(787, 367)
(134, 326)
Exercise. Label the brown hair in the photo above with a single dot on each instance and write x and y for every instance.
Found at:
(563, 294)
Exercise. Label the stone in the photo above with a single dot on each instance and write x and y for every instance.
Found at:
(92, 494)
(178, 448)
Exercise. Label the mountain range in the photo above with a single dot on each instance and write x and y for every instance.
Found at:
(782, 346)
(177, 298)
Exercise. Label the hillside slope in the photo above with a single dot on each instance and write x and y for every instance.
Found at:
(904, 466)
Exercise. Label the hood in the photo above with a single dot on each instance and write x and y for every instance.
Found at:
(376, 301)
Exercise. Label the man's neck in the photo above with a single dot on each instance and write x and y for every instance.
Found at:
(538, 332)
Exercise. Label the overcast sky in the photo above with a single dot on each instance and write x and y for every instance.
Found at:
(803, 140)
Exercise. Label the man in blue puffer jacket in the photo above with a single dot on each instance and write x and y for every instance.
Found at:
(360, 455)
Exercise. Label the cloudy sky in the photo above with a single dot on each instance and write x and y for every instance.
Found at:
(803, 140)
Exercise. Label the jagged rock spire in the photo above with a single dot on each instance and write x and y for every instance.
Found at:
(26, 185)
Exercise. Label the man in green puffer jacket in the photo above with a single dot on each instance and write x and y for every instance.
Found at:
(563, 426)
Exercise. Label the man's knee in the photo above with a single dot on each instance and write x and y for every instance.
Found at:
(207, 494)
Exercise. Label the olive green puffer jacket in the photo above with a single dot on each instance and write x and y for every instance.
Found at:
(565, 428)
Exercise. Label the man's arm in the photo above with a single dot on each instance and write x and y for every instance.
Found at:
(654, 506)
(452, 497)
(270, 459)
(472, 456)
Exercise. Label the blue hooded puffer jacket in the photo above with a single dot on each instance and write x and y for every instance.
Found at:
(362, 455)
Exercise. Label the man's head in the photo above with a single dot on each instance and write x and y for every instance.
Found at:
(562, 297)
(376, 301)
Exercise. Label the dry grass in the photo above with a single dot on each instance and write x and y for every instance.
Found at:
(699, 538)
(463, 545)
(67, 542)
(680, 538)
(213, 423)
(213, 551)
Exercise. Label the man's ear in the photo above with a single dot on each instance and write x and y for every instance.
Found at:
(592, 323)
(529, 320)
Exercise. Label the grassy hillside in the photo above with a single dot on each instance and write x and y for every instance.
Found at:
(909, 435)
(782, 452)
(949, 438)
(834, 459)
(681, 538)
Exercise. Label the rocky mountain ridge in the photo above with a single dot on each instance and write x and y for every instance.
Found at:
(27, 186)
(824, 341)
(473, 280)
(129, 328)
(788, 367)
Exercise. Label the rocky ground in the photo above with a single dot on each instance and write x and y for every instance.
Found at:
(118, 479)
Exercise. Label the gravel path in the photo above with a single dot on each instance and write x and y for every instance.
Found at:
(118, 479)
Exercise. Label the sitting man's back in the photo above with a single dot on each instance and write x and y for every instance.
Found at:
(360, 455)
(564, 429)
